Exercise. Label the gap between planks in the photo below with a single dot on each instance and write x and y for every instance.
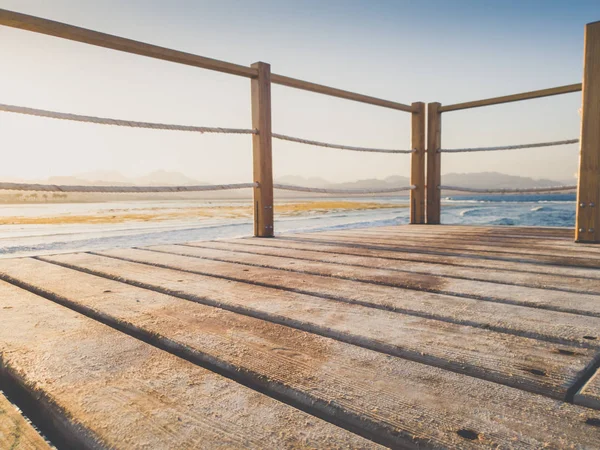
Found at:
(511, 360)
(446, 403)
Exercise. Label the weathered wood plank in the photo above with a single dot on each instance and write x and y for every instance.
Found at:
(514, 97)
(541, 245)
(552, 326)
(561, 236)
(464, 251)
(434, 161)
(417, 163)
(395, 394)
(113, 391)
(589, 394)
(315, 253)
(587, 226)
(16, 432)
(529, 245)
(262, 161)
(543, 254)
(526, 363)
(342, 248)
(578, 303)
(560, 233)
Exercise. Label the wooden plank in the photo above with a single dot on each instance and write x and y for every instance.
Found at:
(262, 151)
(570, 88)
(16, 432)
(78, 34)
(589, 395)
(109, 390)
(553, 326)
(575, 303)
(483, 237)
(349, 248)
(464, 251)
(587, 226)
(526, 363)
(391, 395)
(83, 35)
(555, 233)
(334, 92)
(417, 164)
(447, 242)
(317, 254)
(525, 247)
(434, 143)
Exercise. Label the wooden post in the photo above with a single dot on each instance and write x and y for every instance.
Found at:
(587, 223)
(434, 143)
(261, 151)
(417, 163)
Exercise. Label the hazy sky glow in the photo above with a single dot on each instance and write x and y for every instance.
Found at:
(446, 51)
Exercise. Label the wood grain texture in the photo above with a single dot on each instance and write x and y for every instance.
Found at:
(570, 88)
(506, 359)
(16, 432)
(417, 164)
(553, 326)
(114, 391)
(78, 34)
(262, 149)
(335, 92)
(501, 248)
(434, 143)
(579, 303)
(470, 251)
(316, 252)
(410, 255)
(587, 226)
(392, 396)
(589, 395)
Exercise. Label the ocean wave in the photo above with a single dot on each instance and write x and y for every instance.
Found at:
(538, 208)
(468, 212)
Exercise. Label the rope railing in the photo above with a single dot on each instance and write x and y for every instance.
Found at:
(509, 147)
(508, 190)
(121, 189)
(172, 127)
(191, 188)
(288, 187)
(119, 122)
(338, 146)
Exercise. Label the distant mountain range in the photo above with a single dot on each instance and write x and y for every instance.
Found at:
(164, 177)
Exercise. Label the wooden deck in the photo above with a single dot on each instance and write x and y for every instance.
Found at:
(409, 336)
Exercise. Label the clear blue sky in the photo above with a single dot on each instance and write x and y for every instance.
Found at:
(446, 51)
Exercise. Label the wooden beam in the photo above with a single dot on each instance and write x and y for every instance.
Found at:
(334, 92)
(434, 143)
(86, 36)
(588, 187)
(514, 97)
(262, 151)
(73, 33)
(417, 163)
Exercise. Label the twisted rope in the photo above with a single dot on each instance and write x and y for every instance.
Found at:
(338, 146)
(118, 122)
(288, 187)
(121, 189)
(508, 190)
(164, 126)
(508, 147)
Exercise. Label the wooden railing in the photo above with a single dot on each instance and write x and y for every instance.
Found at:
(261, 80)
(588, 188)
(425, 204)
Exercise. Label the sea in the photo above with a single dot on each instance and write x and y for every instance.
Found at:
(547, 210)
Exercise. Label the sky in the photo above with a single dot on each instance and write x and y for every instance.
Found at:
(405, 51)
